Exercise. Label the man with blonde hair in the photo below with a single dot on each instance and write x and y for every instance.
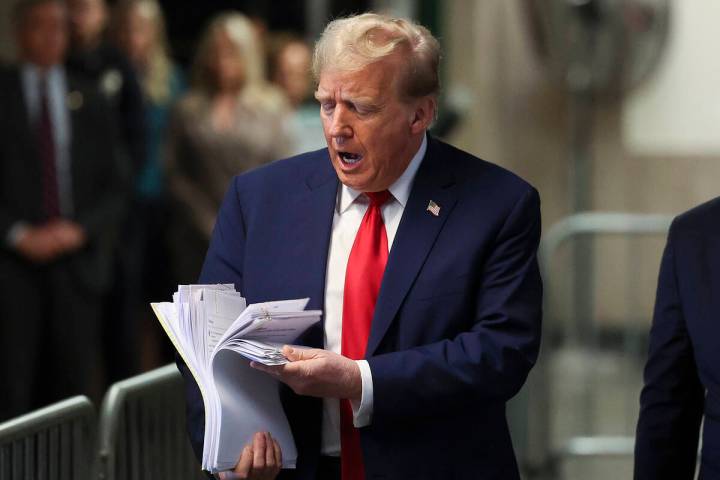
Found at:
(422, 257)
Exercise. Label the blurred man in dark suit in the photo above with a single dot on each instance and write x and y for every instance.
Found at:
(93, 58)
(105, 66)
(61, 184)
(682, 375)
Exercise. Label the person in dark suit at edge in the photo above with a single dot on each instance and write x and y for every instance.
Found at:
(61, 198)
(423, 258)
(682, 386)
(94, 58)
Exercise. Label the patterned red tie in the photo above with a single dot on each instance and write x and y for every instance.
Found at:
(46, 149)
(365, 268)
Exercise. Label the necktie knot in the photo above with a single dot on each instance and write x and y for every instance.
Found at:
(378, 199)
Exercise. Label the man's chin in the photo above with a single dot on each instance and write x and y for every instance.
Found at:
(352, 181)
(359, 180)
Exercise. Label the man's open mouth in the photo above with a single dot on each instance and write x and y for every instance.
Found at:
(349, 157)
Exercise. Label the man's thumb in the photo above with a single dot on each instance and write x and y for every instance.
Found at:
(295, 354)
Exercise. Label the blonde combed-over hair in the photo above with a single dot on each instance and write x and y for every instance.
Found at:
(352, 43)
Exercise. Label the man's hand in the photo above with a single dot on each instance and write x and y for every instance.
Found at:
(261, 460)
(39, 244)
(70, 235)
(46, 242)
(317, 373)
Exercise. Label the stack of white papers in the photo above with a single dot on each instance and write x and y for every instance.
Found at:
(217, 336)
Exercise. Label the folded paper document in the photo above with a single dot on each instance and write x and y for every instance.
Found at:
(217, 336)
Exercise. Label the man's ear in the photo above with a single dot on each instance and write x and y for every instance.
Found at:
(423, 114)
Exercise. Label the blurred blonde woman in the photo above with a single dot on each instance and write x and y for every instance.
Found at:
(230, 121)
(138, 31)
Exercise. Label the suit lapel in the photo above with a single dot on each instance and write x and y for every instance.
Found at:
(414, 239)
(75, 104)
(24, 135)
(706, 270)
(317, 211)
(19, 111)
(293, 258)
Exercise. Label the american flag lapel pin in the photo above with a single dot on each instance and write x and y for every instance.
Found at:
(433, 208)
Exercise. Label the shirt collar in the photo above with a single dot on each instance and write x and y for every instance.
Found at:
(33, 72)
(400, 189)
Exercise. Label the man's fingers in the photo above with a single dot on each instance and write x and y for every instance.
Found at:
(278, 453)
(295, 354)
(292, 354)
(262, 459)
(270, 460)
(274, 370)
(242, 469)
(231, 475)
(259, 447)
(280, 371)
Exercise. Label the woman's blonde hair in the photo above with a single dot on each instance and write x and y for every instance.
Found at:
(239, 29)
(156, 80)
(351, 43)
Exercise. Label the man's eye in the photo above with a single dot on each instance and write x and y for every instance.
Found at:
(363, 109)
(327, 106)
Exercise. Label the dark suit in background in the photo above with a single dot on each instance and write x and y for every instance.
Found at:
(51, 319)
(112, 75)
(456, 327)
(682, 375)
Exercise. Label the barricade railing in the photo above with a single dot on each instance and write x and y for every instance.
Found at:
(539, 457)
(142, 432)
(54, 443)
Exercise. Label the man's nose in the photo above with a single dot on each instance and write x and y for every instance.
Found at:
(340, 127)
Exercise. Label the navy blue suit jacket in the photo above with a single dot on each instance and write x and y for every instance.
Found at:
(456, 327)
(682, 375)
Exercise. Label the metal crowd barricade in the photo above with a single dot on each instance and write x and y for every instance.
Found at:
(53, 443)
(539, 456)
(142, 431)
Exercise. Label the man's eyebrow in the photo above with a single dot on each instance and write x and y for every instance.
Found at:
(363, 100)
(319, 96)
(367, 104)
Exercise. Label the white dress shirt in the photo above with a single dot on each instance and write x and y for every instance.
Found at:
(349, 211)
(56, 88)
(56, 85)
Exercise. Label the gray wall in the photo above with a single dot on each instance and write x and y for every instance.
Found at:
(518, 118)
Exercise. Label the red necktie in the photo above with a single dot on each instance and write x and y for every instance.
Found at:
(46, 149)
(365, 268)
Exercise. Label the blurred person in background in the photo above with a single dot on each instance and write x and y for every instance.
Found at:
(93, 57)
(138, 30)
(682, 374)
(290, 69)
(61, 200)
(229, 122)
(90, 55)
(139, 33)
